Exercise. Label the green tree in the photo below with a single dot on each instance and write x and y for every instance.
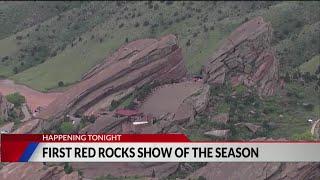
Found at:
(306, 136)
(67, 168)
(66, 128)
(60, 83)
(16, 98)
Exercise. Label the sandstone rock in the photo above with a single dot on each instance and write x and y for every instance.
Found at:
(72, 176)
(218, 133)
(259, 171)
(185, 113)
(252, 127)
(7, 127)
(200, 99)
(221, 118)
(93, 170)
(5, 106)
(315, 129)
(192, 105)
(27, 171)
(246, 58)
(131, 66)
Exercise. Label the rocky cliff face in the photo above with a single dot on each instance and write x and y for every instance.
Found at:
(5, 106)
(131, 66)
(246, 58)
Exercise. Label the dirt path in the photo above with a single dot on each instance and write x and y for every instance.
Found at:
(316, 129)
(34, 98)
(26, 113)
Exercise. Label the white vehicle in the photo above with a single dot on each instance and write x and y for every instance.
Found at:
(4, 132)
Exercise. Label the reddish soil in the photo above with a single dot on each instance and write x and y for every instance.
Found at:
(34, 98)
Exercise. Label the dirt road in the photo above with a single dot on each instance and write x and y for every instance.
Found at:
(34, 98)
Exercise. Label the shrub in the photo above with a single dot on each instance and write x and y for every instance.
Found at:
(19, 37)
(169, 2)
(309, 107)
(306, 136)
(114, 104)
(188, 43)
(156, 7)
(5, 58)
(195, 34)
(137, 24)
(16, 98)
(145, 23)
(205, 28)
(67, 168)
(66, 128)
(60, 83)
(240, 89)
(15, 70)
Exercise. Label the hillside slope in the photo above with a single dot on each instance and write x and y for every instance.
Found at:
(80, 38)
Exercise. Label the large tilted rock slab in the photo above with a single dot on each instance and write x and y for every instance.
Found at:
(246, 58)
(131, 66)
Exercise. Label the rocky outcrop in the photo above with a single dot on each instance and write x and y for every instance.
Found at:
(315, 129)
(251, 127)
(122, 170)
(27, 171)
(5, 106)
(221, 118)
(7, 127)
(262, 171)
(192, 105)
(131, 66)
(246, 58)
(72, 176)
(218, 133)
(259, 171)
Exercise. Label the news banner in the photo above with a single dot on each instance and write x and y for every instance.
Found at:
(148, 148)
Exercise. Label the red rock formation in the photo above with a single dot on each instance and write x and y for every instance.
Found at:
(258, 171)
(246, 58)
(34, 171)
(5, 106)
(131, 66)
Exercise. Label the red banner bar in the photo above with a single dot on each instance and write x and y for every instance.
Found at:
(94, 138)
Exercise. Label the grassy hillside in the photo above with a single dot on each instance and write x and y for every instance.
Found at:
(65, 45)
(311, 66)
(16, 16)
